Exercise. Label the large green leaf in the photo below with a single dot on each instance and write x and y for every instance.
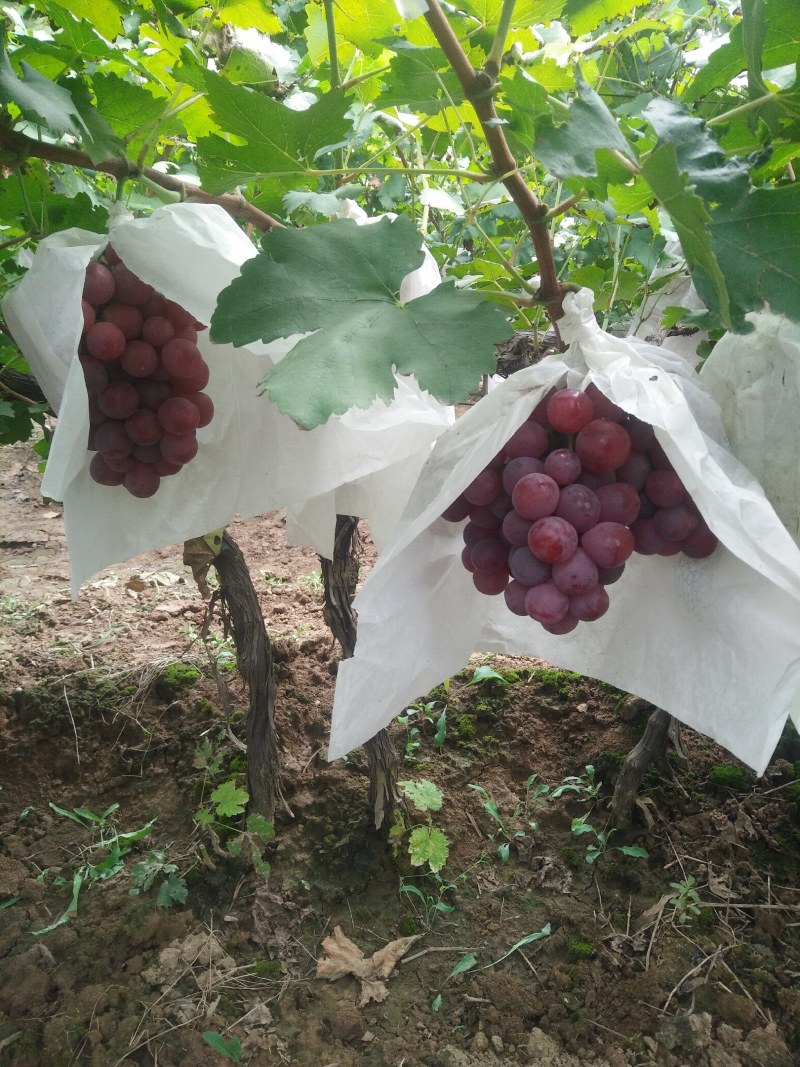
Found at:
(130, 109)
(50, 105)
(756, 242)
(691, 220)
(584, 16)
(569, 150)
(780, 45)
(104, 15)
(343, 280)
(715, 177)
(277, 139)
(419, 79)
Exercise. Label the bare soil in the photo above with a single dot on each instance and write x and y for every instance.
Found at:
(93, 713)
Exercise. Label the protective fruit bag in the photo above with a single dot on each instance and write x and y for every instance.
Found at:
(250, 458)
(714, 641)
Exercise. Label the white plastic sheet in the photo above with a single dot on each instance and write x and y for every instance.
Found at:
(252, 459)
(715, 642)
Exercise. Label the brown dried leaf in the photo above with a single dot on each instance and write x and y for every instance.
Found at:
(343, 957)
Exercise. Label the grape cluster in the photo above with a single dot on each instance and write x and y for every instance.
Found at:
(144, 375)
(576, 490)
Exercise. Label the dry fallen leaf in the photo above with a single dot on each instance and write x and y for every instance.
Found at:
(343, 957)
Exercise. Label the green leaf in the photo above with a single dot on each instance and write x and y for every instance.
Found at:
(104, 15)
(130, 109)
(229, 799)
(343, 281)
(9, 903)
(261, 827)
(781, 42)
(424, 795)
(204, 817)
(585, 16)
(688, 212)
(427, 844)
(529, 939)
(277, 139)
(485, 673)
(419, 79)
(172, 891)
(756, 242)
(713, 175)
(440, 736)
(466, 963)
(230, 1048)
(62, 112)
(753, 37)
(365, 23)
(436, 1003)
(569, 150)
(633, 850)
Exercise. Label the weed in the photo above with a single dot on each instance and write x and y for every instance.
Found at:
(102, 859)
(581, 950)
(730, 776)
(427, 845)
(414, 719)
(229, 1047)
(509, 829)
(601, 846)
(311, 582)
(175, 677)
(228, 802)
(686, 900)
(144, 874)
(274, 581)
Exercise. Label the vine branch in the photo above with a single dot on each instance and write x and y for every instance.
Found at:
(26, 147)
(478, 88)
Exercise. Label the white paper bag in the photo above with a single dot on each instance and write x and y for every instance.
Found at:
(252, 459)
(715, 642)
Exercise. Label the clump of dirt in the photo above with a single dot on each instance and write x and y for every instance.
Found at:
(144, 921)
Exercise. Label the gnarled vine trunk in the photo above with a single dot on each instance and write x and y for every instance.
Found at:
(241, 613)
(651, 747)
(339, 579)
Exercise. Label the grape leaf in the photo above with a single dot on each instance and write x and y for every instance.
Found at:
(51, 105)
(714, 176)
(104, 15)
(584, 16)
(365, 22)
(691, 219)
(130, 109)
(419, 79)
(172, 890)
(781, 43)
(427, 844)
(278, 139)
(229, 799)
(343, 280)
(424, 795)
(756, 243)
(569, 150)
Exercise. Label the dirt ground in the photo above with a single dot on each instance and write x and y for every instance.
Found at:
(165, 932)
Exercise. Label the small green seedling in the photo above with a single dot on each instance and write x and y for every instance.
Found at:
(229, 1047)
(508, 829)
(427, 845)
(601, 844)
(144, 874)
(686, 900)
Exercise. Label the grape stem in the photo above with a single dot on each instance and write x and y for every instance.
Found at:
(234, 203)
(478, 87)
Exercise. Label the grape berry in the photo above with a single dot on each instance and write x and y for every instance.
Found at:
(575, 492)
(144, 374)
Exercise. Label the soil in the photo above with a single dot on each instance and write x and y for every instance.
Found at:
(174, 951)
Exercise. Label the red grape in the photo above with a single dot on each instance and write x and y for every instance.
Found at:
(457, 511)
(577, 574)
(603, 446)
(139, 359)
(142, 480)
(118, 400)
(563, 626)
(603, 407)
(178, 415)
(178, 448)
(485, 488)
(526, 568)
(126, 317)
(552, 540)
(489, 555)
(580, 506)
(534, 496)
(98, 286)
(130, 289)
(94, 374)
(546, 603)
(619, 502)
(590, 605)
(514, 594)
(100, 472)
(700, 543)
(483, 516)
(112, 440)
(608, 543)
(157, 330)
(563, 466)
(490, 584)
(143, 427)
(104, 341)
(529, 440)
(675, 524)
(517, 468)
(515, 529)
(665, 489)
(569, 410)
